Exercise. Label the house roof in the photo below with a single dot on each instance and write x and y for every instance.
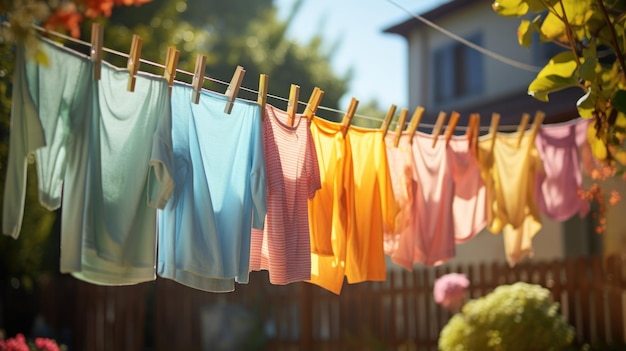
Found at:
(404, 28)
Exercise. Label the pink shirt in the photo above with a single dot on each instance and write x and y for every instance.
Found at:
(559, 147)
(293, 177)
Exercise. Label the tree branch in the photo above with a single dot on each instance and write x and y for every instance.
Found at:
(618, 52)
(568, 32)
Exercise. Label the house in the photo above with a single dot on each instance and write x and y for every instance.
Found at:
(447, 75)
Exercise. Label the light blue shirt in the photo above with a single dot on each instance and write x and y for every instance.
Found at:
(220, 194)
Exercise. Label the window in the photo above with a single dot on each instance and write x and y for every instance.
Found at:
(458, 70)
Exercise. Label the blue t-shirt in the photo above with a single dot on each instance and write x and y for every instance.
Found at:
(220, 193)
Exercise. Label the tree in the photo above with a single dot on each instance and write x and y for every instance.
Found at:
(593, 33)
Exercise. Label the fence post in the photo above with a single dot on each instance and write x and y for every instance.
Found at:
(306, 317)
(615, 281)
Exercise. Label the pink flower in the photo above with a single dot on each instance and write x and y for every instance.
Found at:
(18, 343)
(450, 289)
(44, 344)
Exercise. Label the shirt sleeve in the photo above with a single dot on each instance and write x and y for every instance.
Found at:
(160, 181)
(258, 185)
(26, 135)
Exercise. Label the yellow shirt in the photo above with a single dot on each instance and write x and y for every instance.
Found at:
(509, 173)
(330, 211)
(375, 206)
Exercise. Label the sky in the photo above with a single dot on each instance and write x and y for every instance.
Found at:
(378, 60)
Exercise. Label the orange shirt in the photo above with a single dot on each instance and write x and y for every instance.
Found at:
(330, 210)
(375, 206)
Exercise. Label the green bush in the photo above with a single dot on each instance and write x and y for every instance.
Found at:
(513, 317)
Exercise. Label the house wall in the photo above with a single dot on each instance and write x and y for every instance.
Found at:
(499, 34)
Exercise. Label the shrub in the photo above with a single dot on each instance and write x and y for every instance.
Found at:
(513, 317)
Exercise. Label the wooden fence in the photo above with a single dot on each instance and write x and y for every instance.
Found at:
(398, 314)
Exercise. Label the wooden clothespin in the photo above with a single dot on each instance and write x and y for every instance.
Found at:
(385, 125)
(262, 98)
(198, 78)
(400, 126)
(233, 88)
(292, 105)
(97, 38)
(314, 102)
(441, 119)
(473, 130)
(415, 121)
(539, 116)
(133, 61)
(522, 128)
(171, 63)
(493, 129)
(454, 120)
(347, 118)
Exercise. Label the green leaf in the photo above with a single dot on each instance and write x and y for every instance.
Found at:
(587, 70)
(557, 75)
(578, 13)
(587, 104)
(510, 8)
(540, 5)
(526, 29)
(619, 101)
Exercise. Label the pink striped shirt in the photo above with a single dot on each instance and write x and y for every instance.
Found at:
(284, 247)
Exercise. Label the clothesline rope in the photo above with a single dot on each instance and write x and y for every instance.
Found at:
(178, 70)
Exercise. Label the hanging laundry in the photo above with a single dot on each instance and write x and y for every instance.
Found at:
(331, 211)
(293, 177)
(404, 182)
(559, 147)
(219, 170)
(469, 206)
(510, 173)
(128, 178)
(49, 110)
(374, 206)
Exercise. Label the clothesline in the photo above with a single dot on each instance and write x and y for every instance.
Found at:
(178, 70)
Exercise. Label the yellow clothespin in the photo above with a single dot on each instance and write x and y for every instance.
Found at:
(292, 105)
(385, 125)
(536, 124)
(171, 63)
(97, 37)
(493, 129)
(133, 61)
(198, 78)
(233, 88)
(400, 126)
(454, 119)
(441, 119)
(522, 128)
(415, 121)
(347, 118)
(262, 98)
(314, 102)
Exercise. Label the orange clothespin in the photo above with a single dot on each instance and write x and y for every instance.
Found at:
(473, 130)
(539, 116)
(233, 88)
(522, 128)
(347, 118)
(198, 78)
(415, 120)
(454, 119)
(262, 97)
(171, 62)
(493, 129)
(292, 105)
(314, 102)
(385, 125)
(133, 61)
(97, 38)
(400, 126)
(441, 119)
